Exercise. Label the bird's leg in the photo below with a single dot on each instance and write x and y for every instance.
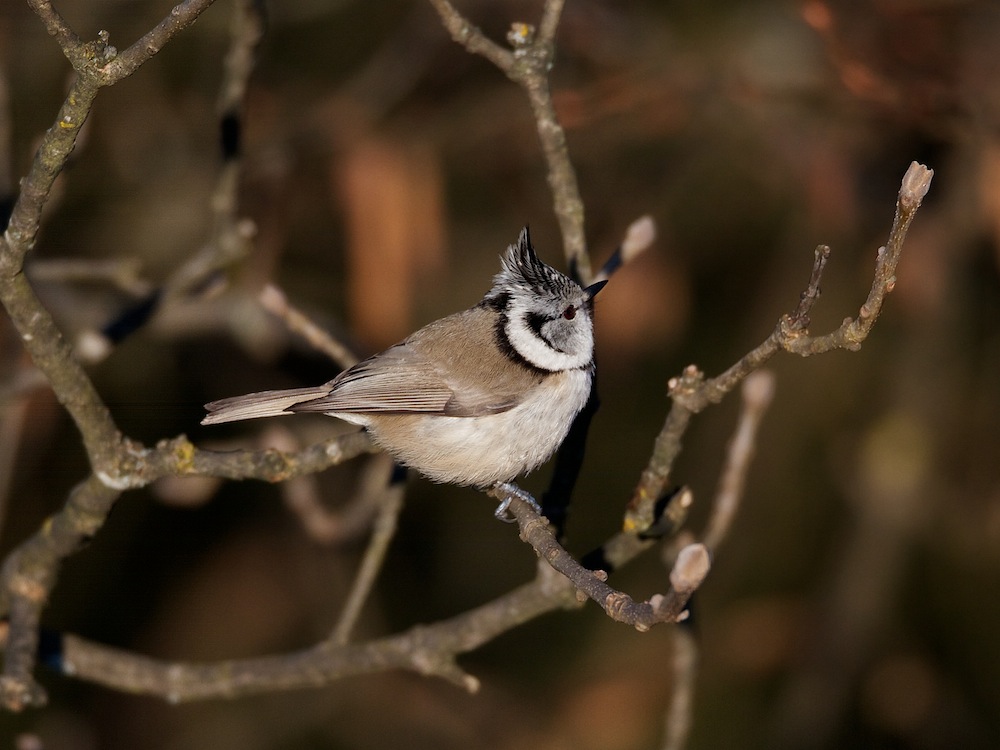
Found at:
(507, 491)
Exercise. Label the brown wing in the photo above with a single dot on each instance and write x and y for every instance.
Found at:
(417, 377)
(389, 382)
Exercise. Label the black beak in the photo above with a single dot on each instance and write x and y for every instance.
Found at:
(592, 290)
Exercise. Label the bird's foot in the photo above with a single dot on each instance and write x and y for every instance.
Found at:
(508, 491)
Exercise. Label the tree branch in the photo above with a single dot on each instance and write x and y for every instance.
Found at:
(528, 66)
(118, 463)
(691, 391)
(126, 63)
(689, 571)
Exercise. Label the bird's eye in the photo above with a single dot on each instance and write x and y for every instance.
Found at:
(570, 312)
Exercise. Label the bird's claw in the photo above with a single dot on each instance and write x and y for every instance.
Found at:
(511, 491)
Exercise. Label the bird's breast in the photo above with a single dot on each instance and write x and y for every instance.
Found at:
(486, 449)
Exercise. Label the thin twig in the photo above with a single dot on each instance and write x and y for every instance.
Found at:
(121, 273)
(799, 320)
(528, 66)
(274, 301)
(126, 63)
(470, 37)
(232, 235)
(689, 571)
(390, 505)
(758, 390)
(685, 671)
(57, 27)
(691, 391)
(638, 237)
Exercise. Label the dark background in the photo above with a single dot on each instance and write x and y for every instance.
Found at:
(855, 601)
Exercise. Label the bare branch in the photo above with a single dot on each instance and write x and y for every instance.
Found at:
(28, 575)
(246, 32)
(121, 273)
(231, 237)
(274, 301)
(638, 237)
(691, 391)
(528, 66)
(799, 320)
(758, 390)
(685, 670)
(689, 571)
(550, 21)
(54, 151)
(470, 37)
(428, 650)
(126, 63)
(390, 505)
(57, 27)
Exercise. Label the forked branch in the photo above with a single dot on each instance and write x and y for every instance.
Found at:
(691, 391)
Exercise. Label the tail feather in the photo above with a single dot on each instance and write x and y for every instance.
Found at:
(257, 405)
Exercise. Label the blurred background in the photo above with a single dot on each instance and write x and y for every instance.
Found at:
(854, 604)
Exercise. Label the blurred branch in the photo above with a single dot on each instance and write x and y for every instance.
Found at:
(121, 273)
(528, 65)
(302, 494)
(758, 390)
(685, 670)
(390, 505)
(6, 141)
(230, 239)
(274, 301)
(691, 391)
(638, 237)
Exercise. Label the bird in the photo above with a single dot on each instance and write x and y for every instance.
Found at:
(476, 398)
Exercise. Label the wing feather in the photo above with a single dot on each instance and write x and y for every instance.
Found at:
(401, 380)
(441, 369)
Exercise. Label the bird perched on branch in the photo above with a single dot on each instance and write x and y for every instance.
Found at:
(475, 398)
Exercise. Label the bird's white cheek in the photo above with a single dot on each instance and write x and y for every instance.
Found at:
(577, 346)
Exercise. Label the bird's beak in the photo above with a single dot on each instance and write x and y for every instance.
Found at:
(592, 290)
